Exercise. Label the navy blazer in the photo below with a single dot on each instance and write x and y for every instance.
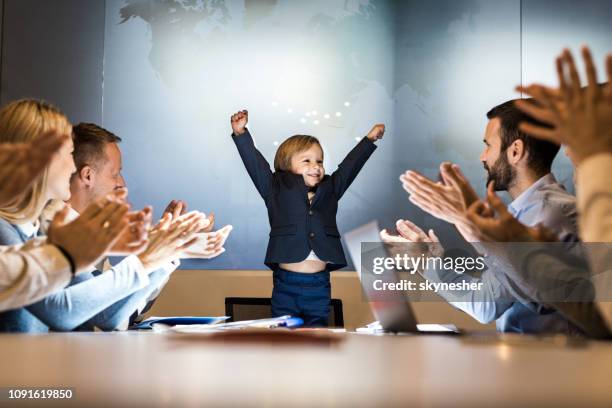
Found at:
(296, 226)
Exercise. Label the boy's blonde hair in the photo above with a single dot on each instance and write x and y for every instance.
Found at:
(291, 146)
(20, 122)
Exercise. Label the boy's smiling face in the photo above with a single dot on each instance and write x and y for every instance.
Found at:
(309, 163)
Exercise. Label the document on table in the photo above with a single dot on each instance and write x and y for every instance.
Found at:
(165, 322)
(282, 321)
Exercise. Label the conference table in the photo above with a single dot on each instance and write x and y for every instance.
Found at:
(310, 368)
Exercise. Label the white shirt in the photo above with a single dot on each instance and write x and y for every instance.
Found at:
(313, 257)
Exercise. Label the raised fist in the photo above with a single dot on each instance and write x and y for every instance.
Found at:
(239, 121)
(377, 132)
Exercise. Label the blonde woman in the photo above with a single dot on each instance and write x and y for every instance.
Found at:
(22, 121)
(68, 308)
(32, 271)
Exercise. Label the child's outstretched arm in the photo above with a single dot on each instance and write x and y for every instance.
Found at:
(256, 165)
(354, 161)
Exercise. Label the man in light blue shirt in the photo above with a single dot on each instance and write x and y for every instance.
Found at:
(520, 165)
(105, 298)
(544, 202)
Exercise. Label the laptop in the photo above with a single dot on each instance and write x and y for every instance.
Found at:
(395, 316)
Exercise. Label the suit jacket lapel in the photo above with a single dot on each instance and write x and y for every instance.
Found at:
(319, 192)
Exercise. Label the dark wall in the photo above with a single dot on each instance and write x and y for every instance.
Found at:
(54, 50)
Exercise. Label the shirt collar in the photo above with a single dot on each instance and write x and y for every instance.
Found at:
(29, 229)
(72, 214)
(524, 199)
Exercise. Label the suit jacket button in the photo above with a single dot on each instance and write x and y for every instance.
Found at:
(310, 212)
(311, 235)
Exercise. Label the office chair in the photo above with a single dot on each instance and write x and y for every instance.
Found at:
(249, 308)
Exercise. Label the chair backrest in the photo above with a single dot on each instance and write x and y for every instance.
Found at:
(249, 308)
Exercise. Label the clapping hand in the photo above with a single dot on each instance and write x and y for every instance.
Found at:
(580, 118)
(22, 163)
(447, 200)
(170, 237)
(408, 235)
(491, 222)
(134, 238)
(208, 244)
(99, 226)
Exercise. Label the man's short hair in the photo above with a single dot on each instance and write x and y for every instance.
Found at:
(540, 153)
(89, 143)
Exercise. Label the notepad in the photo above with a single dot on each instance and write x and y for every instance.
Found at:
(178, 320)
(287, 322)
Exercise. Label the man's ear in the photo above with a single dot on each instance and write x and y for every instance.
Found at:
(516, 152)
(87, 175)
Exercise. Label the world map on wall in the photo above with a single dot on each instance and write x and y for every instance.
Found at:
(200, 35)
(321, 67)
(183, 30)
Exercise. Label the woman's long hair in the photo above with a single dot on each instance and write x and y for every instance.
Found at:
(20, 122)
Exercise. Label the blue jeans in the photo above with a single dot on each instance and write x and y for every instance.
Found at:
(303, 295)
